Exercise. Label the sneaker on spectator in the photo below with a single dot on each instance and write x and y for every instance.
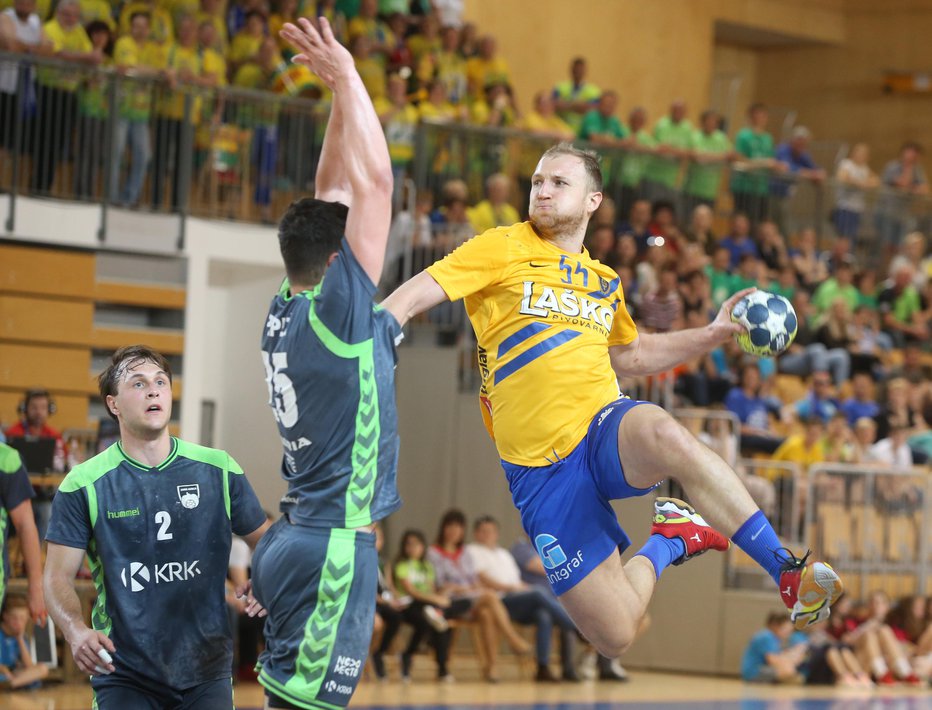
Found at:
(436, 619)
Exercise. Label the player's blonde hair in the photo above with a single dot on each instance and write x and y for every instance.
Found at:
(590, 160)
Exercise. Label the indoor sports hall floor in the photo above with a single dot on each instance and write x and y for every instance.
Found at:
(651, 691)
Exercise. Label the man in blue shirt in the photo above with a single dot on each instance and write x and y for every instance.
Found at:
(794, 154)
(753, 411)
(820, 401)
(739, 242)
(862, 402)
(775, 654)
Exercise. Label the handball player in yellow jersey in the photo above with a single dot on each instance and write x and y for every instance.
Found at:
(553, 336)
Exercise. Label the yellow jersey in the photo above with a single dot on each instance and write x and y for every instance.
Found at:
(544, 319)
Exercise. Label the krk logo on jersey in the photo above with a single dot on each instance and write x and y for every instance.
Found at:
(137, 576)
(189, 495)
(568, 305)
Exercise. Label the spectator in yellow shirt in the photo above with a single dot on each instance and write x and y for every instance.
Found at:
(245, 45)
(544, 121)
(57, 98)
(287, 12)
(101, 10)
(496, 109)
(486, 68)
(93, 111)
(494, 210)
(436, 107)
(367, 24)
(447, 65)
(134, 55)
(371, 70)
(427, 41)
(161, 25)
(399, 119)
(212, 11)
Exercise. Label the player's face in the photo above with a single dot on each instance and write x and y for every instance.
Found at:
(561, 196)
(143, 401)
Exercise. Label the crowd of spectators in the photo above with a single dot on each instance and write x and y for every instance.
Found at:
(871, 643)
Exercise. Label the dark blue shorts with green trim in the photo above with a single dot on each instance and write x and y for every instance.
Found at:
(319, 587)
(124, 689)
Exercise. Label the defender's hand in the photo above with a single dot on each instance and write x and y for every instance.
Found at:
(319, 50)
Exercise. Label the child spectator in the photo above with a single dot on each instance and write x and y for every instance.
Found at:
(16, 665)
(775, 654)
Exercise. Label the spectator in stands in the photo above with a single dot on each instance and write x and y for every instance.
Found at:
(862, 402)
(626, 255)
(450, 12)
(410, 231)
(638, 224)
(795, 156)
(912, 368)
(904, 178)
(457, 578)
(575, 97)
(245, 44)
(738, 241)
(836, 333)
(399, 57)
(600, 243)
(910, 622)
(921, 442)
(819, 403)
(371, 70)
(486, 68)
(810, 269)
(34, 411)
(893, 450)
(896, 411)
(661, 308)
(854, 178)
(134, 55)
(498, 571)
(600, 125)
(839, 448)
(700, 229)
(874, 643)
(16, 495)
(772, 245)
(775, 654)
(20, 32)
(426, 42)
(367, 24)
(388, 608)
(93, 111)
(901, 308)
(17, 669)
(806, 355)
(674, 136)
(162, 30)
(97, 11)
(865, 434)
(212, 12)
(286, 11)
(451, 222)
(913, 253)
(804, 449)
(748, 402)
(721, 280)
(399, 119)
(870, 344)
(750, 181)
(748, 272)
(785, 283)
(497, 108)
(697, 295)
(494, 210)
(437, 107)
(639, 147)
(663, 223)
(838, 286)
(710, 152)
(543, 121)
(447, 66)
(469, 40)
(414, 575)
(56, 95)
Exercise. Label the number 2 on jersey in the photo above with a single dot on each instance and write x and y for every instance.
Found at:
(164, 521)
(282, 396)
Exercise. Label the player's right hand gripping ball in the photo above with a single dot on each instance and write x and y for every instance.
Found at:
(769, 321)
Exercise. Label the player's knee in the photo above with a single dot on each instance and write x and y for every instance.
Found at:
(671, 437)
(615, 639)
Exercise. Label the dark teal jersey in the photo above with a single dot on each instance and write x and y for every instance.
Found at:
(329, 357)
(158, 541)
(14, 489)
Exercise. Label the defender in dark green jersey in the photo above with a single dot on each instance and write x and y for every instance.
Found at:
(16, 506)
(155, 516)
(329, 355)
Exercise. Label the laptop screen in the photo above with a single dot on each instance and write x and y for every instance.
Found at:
(38, 453)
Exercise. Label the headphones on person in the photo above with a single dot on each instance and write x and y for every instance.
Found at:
(32, 394)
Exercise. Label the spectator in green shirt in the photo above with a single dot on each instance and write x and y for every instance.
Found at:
(841, 285)
(600, 125)
(750, 182)
(639, 146)
(575, 97)
(674, 136)
(901, 308)
(721, 281)
(711, 150)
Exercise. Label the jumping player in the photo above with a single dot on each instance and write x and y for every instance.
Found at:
(156, 517)
(553, 334)
(329, 355)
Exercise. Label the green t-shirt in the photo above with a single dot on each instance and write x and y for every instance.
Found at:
(420, 573)
(635, 163)
(752, 146)
(787, 292)
(829, 290)
(739, 282)
(703, 179)
(566, 91)
(14, 489)
(594, 123)
(721, 285)
(664, 169)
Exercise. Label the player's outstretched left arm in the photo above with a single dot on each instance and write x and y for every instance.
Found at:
(416, 295)
(651, 353)
(360, 143)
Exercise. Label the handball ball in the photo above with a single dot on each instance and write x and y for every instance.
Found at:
(769, 321)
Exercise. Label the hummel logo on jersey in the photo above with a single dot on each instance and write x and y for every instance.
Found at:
(117, 514)
(696, 538)
(189, 495)
(137, 576)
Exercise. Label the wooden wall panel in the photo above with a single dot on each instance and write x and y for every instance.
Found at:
(59, 369)
(132, 294)
(33, 319)
(53, 272)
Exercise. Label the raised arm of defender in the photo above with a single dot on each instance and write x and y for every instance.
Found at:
(355, 167)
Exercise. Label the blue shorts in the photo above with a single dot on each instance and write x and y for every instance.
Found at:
(565, 507)
(319, 587)
(125, 689)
